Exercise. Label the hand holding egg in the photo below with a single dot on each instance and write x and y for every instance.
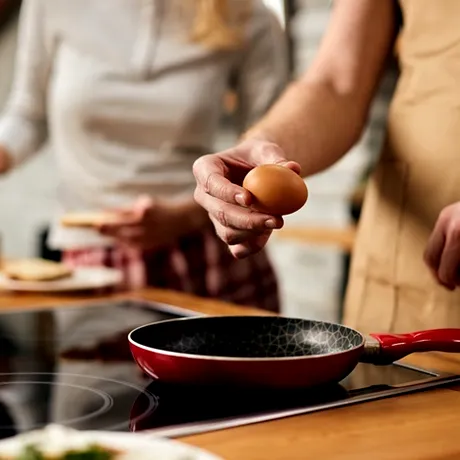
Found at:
(277, 190)
(246, 191)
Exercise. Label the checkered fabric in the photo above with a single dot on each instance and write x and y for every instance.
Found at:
(199, 264)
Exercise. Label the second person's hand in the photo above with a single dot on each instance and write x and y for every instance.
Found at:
(219, 177)
(442, 254)
(149, 224)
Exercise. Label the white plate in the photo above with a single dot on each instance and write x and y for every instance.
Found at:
(55, 440)
(82, 279)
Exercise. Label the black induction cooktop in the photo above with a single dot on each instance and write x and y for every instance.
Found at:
(72, 366)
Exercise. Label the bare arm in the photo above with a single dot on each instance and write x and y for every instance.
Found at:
(23, 122)
(314, 123)
(321, 116)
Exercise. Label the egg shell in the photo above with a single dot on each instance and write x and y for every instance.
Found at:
(277, 190)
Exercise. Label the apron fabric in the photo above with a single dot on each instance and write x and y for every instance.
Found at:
(390, 288)
(199, 264)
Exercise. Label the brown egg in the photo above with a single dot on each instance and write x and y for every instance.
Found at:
(277, 190)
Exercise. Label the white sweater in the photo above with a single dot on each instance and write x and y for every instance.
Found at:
(125, 100)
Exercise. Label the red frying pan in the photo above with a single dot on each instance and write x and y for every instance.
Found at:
(273, 352)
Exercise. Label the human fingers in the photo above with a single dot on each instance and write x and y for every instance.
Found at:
(250, 247)
(233, 236)
(449, 265)
(450, 258)
(210, 173)
(142, 206)
(266, 152)
(434, 249)
(237, 218)
(130, 215)
(442, 254)
(214, 172)
(123, 232)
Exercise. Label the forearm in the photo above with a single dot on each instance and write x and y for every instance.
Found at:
(20, 138)
(314, 125)
(23, 127)
(320, 117)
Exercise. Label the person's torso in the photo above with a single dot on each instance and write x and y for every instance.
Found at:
(417, 176)
(419, 172)
(132, 101)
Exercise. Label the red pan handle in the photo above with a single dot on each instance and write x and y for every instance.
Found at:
(396, 346)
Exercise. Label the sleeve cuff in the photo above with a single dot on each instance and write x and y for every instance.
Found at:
(21, 138)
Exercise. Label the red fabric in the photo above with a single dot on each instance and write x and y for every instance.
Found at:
(199, 264)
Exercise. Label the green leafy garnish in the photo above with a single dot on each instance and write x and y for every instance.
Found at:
(92, 453)
(31, 453)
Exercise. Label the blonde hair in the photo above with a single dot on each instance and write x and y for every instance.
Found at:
(216, 26)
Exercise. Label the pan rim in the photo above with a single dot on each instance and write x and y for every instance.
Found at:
(236, 358)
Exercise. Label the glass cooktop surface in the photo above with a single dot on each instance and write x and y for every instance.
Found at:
(72, 366)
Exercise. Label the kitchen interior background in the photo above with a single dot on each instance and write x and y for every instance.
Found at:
(309, 254)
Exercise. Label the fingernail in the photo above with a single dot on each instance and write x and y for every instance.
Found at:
(271, 224)
(240, 199)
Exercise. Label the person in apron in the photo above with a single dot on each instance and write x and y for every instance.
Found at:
(400, 279)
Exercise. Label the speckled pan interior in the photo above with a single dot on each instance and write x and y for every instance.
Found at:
(248, 337)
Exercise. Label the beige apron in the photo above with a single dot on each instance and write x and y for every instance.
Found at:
(390, 287)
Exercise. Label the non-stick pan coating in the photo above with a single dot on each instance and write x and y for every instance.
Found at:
(248, 337)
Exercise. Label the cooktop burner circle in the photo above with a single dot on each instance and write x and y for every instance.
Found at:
(106, 401)
(79, 400)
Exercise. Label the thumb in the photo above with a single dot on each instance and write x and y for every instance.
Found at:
(270, 153)
(143, 205)
(291, 165)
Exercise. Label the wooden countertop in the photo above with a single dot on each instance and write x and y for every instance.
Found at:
(18, 301)
(421, 426)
